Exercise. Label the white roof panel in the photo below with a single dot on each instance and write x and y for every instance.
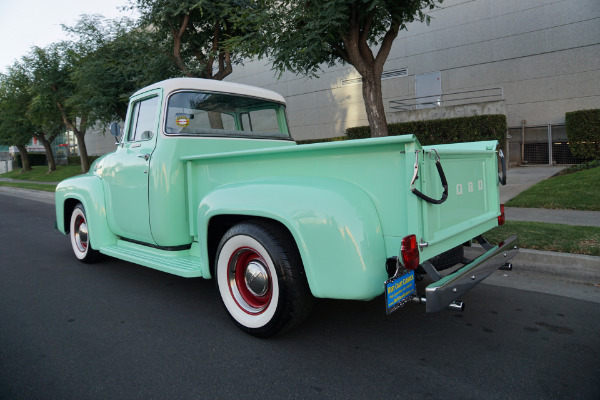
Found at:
(212, 85)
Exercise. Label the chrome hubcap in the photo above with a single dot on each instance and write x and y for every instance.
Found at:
(257, 278)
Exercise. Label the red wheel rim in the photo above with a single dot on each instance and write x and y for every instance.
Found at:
(81, 233)
(249, 280)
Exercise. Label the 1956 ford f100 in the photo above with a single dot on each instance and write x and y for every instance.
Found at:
(207, 182)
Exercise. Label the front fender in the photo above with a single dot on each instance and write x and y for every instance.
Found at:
(334, 223)
(88, 190)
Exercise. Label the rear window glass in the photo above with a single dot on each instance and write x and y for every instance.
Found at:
(197, 113)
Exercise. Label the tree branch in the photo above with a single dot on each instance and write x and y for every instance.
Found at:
(340, 52)
(227, 67)
(177, 35)
(65, 118)
(362, 40)
(386, 45)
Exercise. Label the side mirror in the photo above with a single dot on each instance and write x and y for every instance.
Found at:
(115, 130)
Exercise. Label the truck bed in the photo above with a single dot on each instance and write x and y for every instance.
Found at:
(382, 168)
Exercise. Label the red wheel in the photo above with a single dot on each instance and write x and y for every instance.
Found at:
(261, 279)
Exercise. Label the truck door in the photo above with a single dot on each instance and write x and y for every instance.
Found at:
(128, 169)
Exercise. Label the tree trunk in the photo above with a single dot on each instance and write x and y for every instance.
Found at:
(372, 96)
(83, 155)
(79, 135)
(24, 158)
(48, 150)
(216, 122)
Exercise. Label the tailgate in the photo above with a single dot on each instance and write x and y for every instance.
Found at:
(472, 206)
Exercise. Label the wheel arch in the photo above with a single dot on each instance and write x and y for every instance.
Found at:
(68, 207)
(220, 224)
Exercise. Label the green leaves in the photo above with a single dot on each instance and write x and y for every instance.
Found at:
(15, 127)
(114, 59)
(201, 36)
(302, 36)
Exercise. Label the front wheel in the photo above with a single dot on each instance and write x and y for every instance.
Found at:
(261, 280)
(80, 239)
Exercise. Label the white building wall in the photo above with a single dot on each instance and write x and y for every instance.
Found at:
(99, 140)
(544, 54)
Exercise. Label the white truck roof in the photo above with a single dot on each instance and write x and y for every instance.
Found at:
(212, 85)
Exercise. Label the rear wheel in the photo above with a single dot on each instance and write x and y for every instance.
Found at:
(261, 279)
(80, 239)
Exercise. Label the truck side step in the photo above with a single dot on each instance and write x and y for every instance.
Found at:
(179, 263)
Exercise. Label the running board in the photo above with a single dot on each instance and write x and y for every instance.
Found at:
(180, 263)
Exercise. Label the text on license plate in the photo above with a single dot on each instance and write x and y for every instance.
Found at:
(398, 289)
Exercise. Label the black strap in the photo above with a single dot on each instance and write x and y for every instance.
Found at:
(428, 199)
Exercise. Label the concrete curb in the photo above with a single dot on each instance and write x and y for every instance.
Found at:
(576, 266)
(572, 266)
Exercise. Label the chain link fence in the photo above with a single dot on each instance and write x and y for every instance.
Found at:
(540, 145)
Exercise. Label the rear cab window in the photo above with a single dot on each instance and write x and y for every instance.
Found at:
(217, 114)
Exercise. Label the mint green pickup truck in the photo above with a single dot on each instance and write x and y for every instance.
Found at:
(206, 181)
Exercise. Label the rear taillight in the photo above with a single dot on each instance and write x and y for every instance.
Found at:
(501, 216)
(410, 252)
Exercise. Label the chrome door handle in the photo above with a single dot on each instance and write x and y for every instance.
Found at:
(146, 157)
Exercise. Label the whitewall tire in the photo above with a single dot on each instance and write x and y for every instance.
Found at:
(80, 239)
(260, 278)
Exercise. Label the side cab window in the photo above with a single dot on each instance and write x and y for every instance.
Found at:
(143, 119)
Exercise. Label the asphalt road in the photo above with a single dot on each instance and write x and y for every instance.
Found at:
(114, 330)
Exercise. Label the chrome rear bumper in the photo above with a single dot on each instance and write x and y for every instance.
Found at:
(440, 294)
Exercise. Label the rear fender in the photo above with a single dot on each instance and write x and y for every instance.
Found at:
(334, 223)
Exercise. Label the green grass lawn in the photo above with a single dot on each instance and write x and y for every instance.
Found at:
(550, 237)
(576, 191)
(40, 173)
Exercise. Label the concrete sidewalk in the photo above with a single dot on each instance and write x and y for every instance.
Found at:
(566, 217)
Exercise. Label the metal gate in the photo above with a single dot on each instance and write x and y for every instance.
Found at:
(540, 145)
(5, 162)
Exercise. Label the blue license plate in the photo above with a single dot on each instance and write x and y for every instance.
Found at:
(398, 290)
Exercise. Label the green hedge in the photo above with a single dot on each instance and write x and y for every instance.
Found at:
(583, 131)
(441, 131)
(34, 159)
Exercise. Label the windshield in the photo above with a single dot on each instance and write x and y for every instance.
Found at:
(210, 114)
